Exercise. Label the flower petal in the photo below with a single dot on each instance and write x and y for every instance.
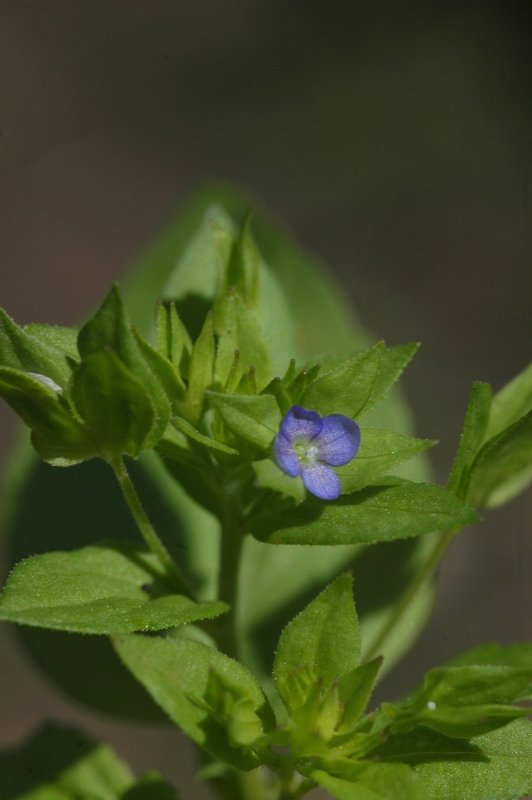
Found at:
(321, 481)
(298, 423)
(285, 455)
(338, 441)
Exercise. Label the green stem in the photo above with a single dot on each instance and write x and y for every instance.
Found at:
(425, 573)
(230, 555)
(146, 528)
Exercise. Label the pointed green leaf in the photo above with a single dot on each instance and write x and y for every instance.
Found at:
(325, 636)
(347, 388)
(201, 373)
(238, 329)
(63, 339)
(514, 655)
(189, 430)
(30, 349)
(464, 701)
(200, 263)
(56, 435)
(475, 425)
(243, 265)
(375, 514)
(176, 673)
(355, 689)
(380, 451)
(108, 328)
(369, 781)
(114, 404)
(510, 404)
(503, 468)
(113, 588)
(164, 371)
(255, 419)
(356, 385)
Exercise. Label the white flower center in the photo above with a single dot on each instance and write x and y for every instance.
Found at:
(306, 452)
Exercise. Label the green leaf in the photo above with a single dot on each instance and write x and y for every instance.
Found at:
(380, 451)
(164, 371)
(347, 388)
(503, 467)
(464, 701)
(30, 349)
(238, 329)
(254, 419)
(495, 766)
(60, 763)
(111, 588)
(359, 383)
(233, 705)
(189, 430)
(510, 404)
(63, 339)
(475, 425)
(370, 781)
(201, 374)
(176, 672)
(270, 476)
(200, 263)
(150, 787)
(56, 435)
(354, 690)
(375, 514)
(514, 655)
(114, 404)
(325, 636)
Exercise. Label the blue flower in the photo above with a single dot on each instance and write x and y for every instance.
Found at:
(309, 445)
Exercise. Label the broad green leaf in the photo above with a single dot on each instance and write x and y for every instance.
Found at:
(475, 424)
(255, 419)
(199, 266)
(114, 404)
(375, 514)
(270, 476)
(510, 404)
(514, 655)
(325, 636)
(464, 701)
(495, 766)
(238, 329)
(503, 467)
(176, 673)
(110, 588)
(56, 435)
(201, 373)
(370, 781)
(35, 352)
(347, 388)
(109, 327)
(60, 763)
(380, 451)
(64, 339)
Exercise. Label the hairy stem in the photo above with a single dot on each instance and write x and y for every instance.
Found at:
(146, 528)
(433, 558)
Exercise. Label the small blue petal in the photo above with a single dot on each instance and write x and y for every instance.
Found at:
(321, 481)
(285, 455)
(338, 441)
(300, 424)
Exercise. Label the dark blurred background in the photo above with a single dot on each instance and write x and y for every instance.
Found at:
(394, 139)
